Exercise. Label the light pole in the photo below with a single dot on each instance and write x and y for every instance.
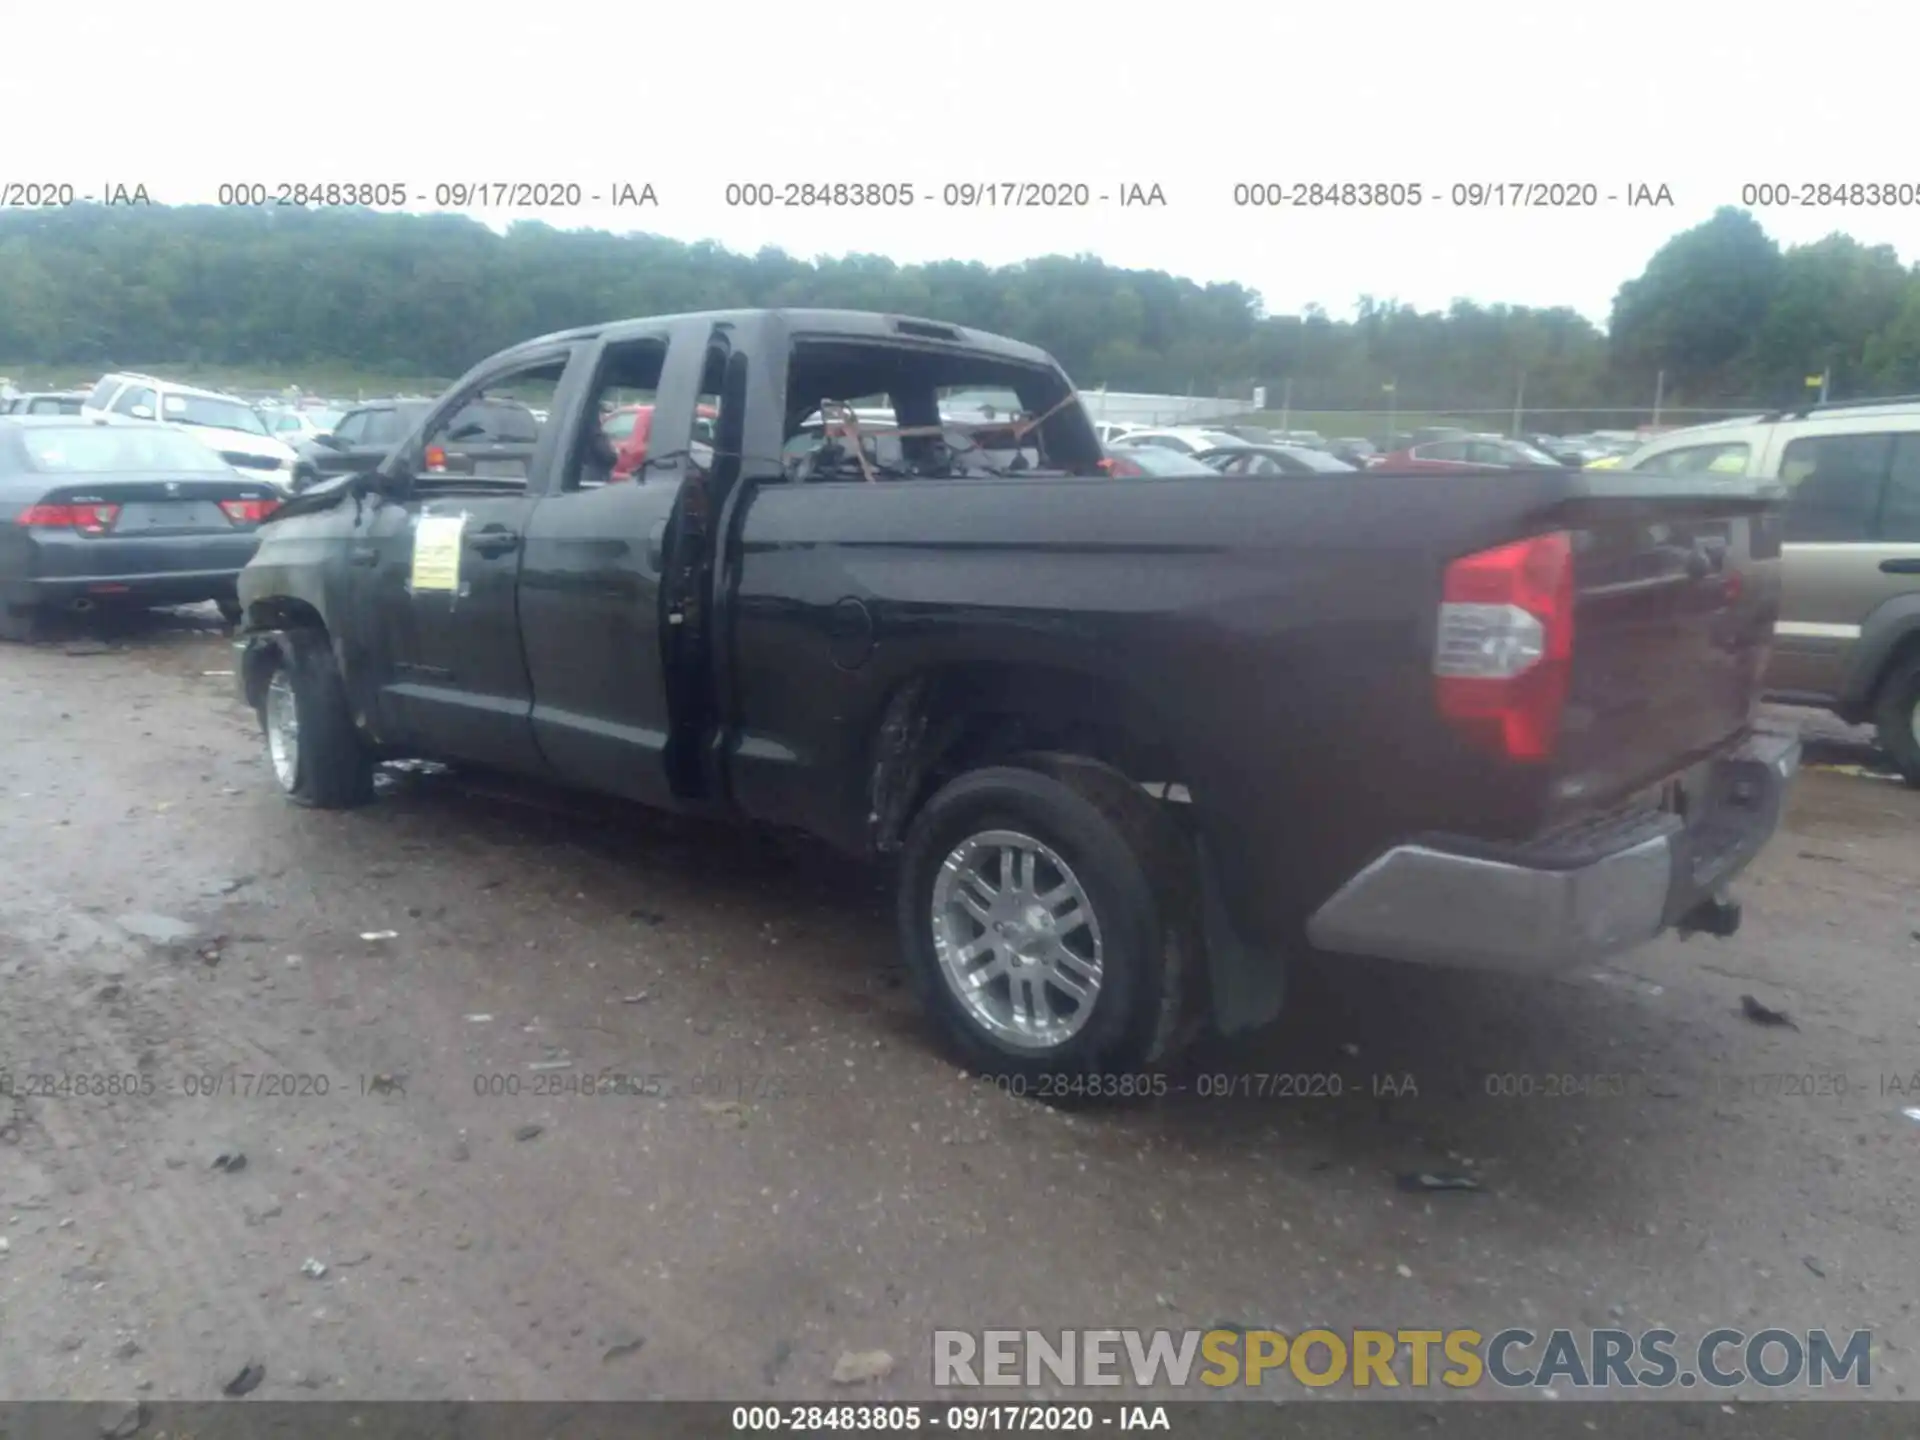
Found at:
(1391, 390)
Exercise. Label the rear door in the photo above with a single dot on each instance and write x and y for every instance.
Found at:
(1852, 544)
(594, 609)
(436, 602)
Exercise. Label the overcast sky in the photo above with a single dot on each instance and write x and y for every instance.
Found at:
(1198, 97)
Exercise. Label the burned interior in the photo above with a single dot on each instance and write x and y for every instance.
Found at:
(865, 410)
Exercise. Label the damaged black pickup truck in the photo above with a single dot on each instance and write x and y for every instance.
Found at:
(1129, 743)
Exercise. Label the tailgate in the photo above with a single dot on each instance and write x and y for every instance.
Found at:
(1677, 589)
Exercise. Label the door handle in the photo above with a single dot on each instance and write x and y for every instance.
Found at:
(494, 542)
(1900, 567)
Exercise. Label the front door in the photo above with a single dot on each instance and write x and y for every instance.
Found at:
(443, 563)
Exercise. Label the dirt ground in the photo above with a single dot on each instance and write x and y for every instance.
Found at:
(799, 1173)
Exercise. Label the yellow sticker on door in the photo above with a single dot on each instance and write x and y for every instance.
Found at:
(436, 553)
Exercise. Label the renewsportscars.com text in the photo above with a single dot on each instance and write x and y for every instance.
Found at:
(1460, 1359)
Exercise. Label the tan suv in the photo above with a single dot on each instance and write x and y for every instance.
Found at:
(1849, 632)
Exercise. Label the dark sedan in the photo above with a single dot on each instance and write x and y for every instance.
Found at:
(97, 512)
(1273, 460)
(1472, 453)
(359, 440)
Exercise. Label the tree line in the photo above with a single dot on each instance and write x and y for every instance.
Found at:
(1721, 315)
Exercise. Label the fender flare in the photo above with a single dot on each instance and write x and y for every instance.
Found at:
(1891, 626)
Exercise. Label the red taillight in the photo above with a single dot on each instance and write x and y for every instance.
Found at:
(87, 519)
(249, 512)
(1120, 468)
(435, 459)
(1504, 653)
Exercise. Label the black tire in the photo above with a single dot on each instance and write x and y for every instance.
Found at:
(1896, 717)
(331, 769)
(1125, 858)
(22, 624)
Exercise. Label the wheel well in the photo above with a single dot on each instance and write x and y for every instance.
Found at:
(1904, 653)
(940, 724)
(278, 612)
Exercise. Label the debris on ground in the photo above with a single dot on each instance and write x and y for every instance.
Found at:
(155, 929)
(776, 1362)
(1403, 1272)
(231, 1161)
(313, 1269)
(620, 1343)
(247, 1381)
(551, 1065)
(379, 935)
(529, 1132)
(1812, 1265)
(639, 997)
(128, 1422)
(1428, 1180)
(1765, 1015)
(859, 1367)
(479, 1019)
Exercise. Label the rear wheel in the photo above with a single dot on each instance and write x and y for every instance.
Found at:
(22, 624)
(1897, 717)
(1039, 917)
(314, 751)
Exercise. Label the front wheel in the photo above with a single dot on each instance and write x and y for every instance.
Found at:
(1039, 926)
(313, 749)
(1897, 718)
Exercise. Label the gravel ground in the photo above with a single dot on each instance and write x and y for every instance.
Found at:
(804, 1175)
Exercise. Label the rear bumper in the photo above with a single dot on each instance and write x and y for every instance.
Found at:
(152, 570)
(1550, 905)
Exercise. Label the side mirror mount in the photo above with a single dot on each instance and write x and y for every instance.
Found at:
(141, 412)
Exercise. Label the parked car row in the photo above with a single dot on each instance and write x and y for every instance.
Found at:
(44, 402)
